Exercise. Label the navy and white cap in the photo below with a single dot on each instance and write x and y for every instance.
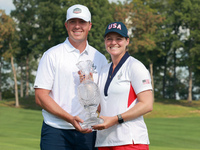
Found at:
(78, 11)
(117, 27)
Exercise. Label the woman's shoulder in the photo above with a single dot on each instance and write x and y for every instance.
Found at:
(133, 62)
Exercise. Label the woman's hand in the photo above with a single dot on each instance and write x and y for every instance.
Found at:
(108, 122)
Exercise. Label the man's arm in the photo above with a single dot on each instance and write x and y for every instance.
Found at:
(43, 99)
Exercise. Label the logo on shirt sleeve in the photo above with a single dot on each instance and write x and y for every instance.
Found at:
(146, 81)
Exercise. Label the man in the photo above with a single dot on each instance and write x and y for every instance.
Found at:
(56, 85)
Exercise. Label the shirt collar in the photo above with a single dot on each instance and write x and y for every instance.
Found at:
(71, 48)
(111, 73)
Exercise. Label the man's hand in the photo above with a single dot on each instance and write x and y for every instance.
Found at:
(76, 123)
(83, 77)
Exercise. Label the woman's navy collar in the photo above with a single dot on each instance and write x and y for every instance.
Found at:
(111, 74)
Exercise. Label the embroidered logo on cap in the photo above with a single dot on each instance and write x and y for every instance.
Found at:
(114, 25)
(77, 11)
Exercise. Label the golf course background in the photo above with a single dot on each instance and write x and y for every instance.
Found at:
(172, 125)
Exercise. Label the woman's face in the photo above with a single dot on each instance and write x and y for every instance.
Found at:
(116, 44)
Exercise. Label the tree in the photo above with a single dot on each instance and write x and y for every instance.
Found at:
(169, 42)
(191, 23)
(2, 34)
(25, 16)
(142, 21)
(102, 12)
(49, 26)
(7, 31)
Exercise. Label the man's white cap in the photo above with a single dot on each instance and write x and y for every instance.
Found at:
(78, 11)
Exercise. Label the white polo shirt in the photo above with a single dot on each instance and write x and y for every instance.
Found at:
(57, 71)
(119, 93)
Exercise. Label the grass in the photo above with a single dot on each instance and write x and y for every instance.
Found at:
(19, 129)
(172, 125)
(174, 133)
(175, 110)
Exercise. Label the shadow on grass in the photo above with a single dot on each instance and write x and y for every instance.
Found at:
(26, 103)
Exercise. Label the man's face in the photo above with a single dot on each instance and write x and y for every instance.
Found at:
(77, 30)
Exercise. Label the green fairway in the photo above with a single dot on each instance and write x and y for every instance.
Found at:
(170, 126)
(19, 129)
(174, 133)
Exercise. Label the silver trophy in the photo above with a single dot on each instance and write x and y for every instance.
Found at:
(89, 95)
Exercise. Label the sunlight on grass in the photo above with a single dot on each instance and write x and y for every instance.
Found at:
(161, 110)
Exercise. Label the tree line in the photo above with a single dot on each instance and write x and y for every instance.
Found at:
(164, 35)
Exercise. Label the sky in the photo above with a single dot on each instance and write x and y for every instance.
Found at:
(7, 5)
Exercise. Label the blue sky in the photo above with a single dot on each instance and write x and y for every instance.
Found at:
(7, 5)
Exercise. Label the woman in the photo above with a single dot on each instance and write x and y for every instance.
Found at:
(126, 92)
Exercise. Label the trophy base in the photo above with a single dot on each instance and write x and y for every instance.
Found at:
(87, 124)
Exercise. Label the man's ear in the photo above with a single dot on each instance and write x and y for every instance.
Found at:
(66, 24)
(90, 26)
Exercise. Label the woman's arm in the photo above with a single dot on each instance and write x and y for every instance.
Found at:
(144, 105)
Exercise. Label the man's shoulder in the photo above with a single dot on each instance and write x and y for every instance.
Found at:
(95, 51)
(55, 48)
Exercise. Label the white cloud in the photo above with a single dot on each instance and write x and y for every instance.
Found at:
(7, 5)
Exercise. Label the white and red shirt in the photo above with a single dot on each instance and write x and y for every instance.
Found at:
(57, 71)
(119, 93)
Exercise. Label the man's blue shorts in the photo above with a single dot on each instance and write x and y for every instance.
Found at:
(60, 139)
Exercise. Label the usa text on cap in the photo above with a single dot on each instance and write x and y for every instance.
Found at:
(117, 27)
